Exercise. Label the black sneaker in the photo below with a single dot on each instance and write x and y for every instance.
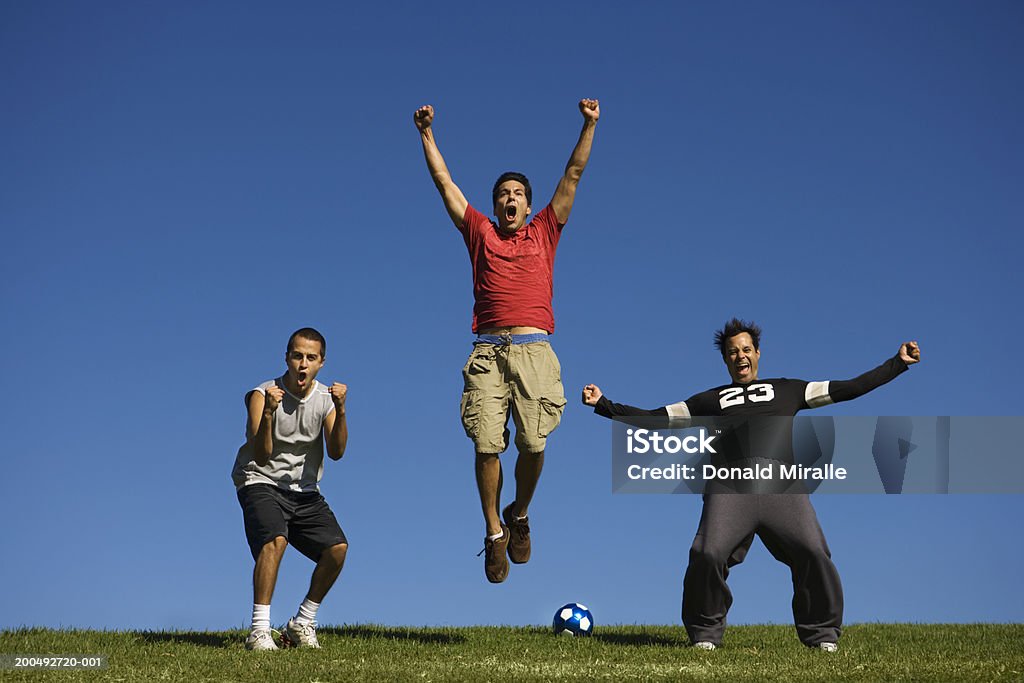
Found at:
(495, 562)
(519, 544)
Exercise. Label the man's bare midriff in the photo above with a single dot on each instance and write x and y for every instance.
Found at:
(513, 330)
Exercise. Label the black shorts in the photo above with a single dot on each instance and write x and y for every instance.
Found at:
(304, 519)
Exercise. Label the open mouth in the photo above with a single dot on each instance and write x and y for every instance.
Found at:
(510, 212)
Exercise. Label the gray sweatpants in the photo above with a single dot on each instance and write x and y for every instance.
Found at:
(789, 528)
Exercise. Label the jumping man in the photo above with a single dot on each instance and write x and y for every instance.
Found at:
(512, 371)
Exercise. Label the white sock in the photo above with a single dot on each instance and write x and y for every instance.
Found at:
(516, 517)
(496, 536)
(260, 617)
(307, 612)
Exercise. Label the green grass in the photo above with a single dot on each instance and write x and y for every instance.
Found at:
(868, 652)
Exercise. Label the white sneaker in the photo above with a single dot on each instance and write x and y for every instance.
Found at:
(704, 645)
(301, 635)
(260, 640)
(828, 647)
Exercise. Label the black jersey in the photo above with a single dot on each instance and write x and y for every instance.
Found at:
(770, 397)
(750, 419)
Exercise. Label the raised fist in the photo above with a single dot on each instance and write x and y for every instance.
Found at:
(339, 392)
(423, 117)
(591, 394)
(590, 109)
(910, 353)
(272, 398)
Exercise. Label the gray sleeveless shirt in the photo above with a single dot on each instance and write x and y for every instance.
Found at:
(297, 462)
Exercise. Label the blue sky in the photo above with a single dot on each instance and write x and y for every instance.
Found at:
(183, 185)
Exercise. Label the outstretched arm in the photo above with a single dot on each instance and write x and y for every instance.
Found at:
(454, 201)
(592, 396)
(565, 193)
(824, 393)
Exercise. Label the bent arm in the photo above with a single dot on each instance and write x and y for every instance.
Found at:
(454, 201)
(565, 193)
(336, 432)
(260, 428)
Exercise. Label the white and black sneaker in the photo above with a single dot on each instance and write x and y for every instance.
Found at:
(705, 645)
(828, 647)
(300, 634)
(262, 639)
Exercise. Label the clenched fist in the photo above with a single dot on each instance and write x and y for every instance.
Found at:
(338, 393)
(423, 117)
(591, 394)
(910, 353)
(590, 109)
(272, 398)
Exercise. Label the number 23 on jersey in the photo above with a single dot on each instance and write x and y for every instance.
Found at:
(755, 393)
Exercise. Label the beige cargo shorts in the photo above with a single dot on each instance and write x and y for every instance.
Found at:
(524, 380)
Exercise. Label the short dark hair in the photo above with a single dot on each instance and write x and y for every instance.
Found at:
(309, 334)
(519, 178)
(734, 327)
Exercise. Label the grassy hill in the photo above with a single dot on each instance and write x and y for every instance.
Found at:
(868, 652)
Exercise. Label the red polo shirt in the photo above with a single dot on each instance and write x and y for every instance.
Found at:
(512, 274)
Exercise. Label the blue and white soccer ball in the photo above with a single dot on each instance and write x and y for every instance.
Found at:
(573, 619)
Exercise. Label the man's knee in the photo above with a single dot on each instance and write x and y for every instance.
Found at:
(336, 553)
(816, 553)
(275, 547)
(703, 554)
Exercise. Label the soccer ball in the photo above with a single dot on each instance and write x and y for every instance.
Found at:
(573, 619)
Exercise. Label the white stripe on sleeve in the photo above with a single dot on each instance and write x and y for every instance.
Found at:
(678, 410)
(816, 394)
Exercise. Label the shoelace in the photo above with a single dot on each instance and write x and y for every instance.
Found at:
(488, 543)
(307, 632)
(520, 527)
(271, 633)
(268, 633)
